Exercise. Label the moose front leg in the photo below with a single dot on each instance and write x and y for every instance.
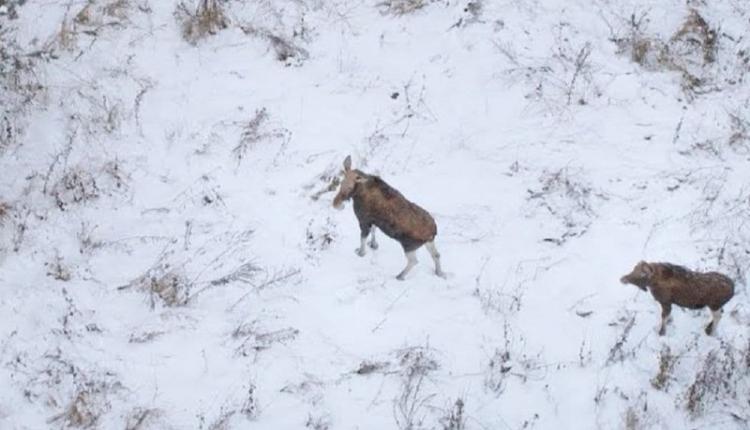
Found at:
(373, 241)
(666, 309)
(364, 232)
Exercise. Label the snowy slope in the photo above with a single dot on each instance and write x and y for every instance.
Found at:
(169, 256)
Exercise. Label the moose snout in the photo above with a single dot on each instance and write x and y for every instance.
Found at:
(624, 279)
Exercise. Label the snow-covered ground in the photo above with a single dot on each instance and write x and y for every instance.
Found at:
(170, 259)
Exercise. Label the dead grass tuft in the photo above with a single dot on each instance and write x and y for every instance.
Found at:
(455, 419)
(76, 186)
(207, 19)
(163, 284)
(567, 198)
(286, 49)
(667, 362)
(401, 7)
(688, 51)
(715, 382)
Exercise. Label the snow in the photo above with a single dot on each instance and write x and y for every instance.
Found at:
(547, 181)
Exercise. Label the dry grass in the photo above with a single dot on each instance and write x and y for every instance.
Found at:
(454, 419)
(205, 19)
(667, 362)
(76, 186)
(254, 339)
(401, 7)
(163, 284)
(688, 51)
(617, 353)
(260, 129)
(569, 199)
(5, 211)
(142, 419)
(716, 380)
(20, 86)
(58, 270)
(285, 48)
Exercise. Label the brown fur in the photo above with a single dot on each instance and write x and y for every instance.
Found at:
(671, 284)
(377, 204)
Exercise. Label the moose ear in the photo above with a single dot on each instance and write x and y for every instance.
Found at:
(348, 162)
(647, 268)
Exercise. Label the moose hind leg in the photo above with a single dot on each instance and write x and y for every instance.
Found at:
(716, 316)
(435, 258)
(666, 309)
(411, 261)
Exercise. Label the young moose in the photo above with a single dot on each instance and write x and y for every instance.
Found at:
(671, 284)
(377, 204)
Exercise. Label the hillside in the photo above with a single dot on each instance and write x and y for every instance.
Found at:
(170, 258)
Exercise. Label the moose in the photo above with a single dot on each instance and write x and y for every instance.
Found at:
(377, 204)
(671, 284)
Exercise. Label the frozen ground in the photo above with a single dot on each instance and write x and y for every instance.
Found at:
(169, 256)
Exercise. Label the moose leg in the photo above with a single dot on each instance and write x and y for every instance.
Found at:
(411, 261)
(711, 327)
(666, 309)
(364, 232)
(373, 242)
(435, 258)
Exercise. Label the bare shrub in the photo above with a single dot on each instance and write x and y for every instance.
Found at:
(254, 339)
(415, 364)
(632, 419)
(331, 182)
(250, 407)
(79, 185)
(208, 18)
(455, 419)
(688, 51)
(320, 422)
(143, 418)
(566, 198)
(96, 15)
(617, 353)
(75, 186)
(13, 225)
(163, 284)
(5, 212)
(256, 130)
(667, 362)
(715, 381)
(9, 8)
(81, 394)
(87, 406)
(510, 360)
(58, 270)
(565, 78)
(245, 273)
(287, 50)
(739, 138)
(319, 235)
(19, 85)
(401, 7)
(144, 337)
(367, 367)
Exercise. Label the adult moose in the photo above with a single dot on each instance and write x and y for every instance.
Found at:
(377, 204)
(672, 284)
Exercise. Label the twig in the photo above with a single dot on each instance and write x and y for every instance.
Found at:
(269, 282)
